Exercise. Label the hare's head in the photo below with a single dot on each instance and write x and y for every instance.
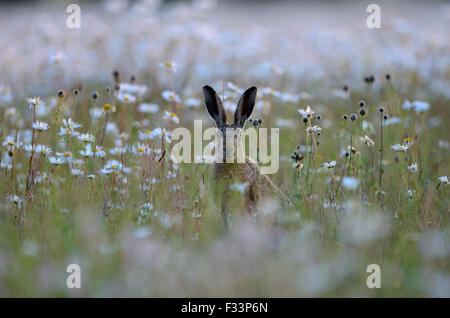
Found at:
(217, 112)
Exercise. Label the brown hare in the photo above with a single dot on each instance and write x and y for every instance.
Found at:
(258, 186)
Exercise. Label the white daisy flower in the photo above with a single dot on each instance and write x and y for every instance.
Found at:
(308, 112)
(66, 131)
(126, 98)
(15, 199)
(413, 168)
(140, 149)
(146, 134)
(313, 129)
(9, 142)
(66, 156)
(106, 171)
(40, 126)
(70, 123)
(170, 65)
(98, 151)
(113, 164)
(86, 138)
(133, 89)
(87, 152)
(44, 150)
(76, 172)
(33, 101)
(329, 164)
(400, 147)
(171, 116)
(444, 180)
(411, 193)
(57, 161)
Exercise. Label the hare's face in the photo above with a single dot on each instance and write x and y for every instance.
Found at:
(229, 139)
(228, 134)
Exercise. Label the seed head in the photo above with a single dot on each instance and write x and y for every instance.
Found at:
(345, 116)
(115, 75)
(362, 112)
(94, 95)
(353, 117)
(362, 103)
(61, 93)
(381, 109)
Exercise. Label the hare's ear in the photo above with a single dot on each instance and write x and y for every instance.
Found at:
(214, 106)
(245, 106)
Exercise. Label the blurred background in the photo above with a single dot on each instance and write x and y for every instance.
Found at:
(298, 43)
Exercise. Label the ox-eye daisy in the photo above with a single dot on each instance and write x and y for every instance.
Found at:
(444, 180)
(57, 161)
(400, 147)
(66, 156)
(308, 112)
(329, 164)
(44, 150)
(87, 151)
(70, 123)
(126, 98)
(33, 101)
(98, 151)
(9, 142)
(171, 116)
(313, 129)
(113, 164)
(86, 138)
(140, 149)
(170, 65)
